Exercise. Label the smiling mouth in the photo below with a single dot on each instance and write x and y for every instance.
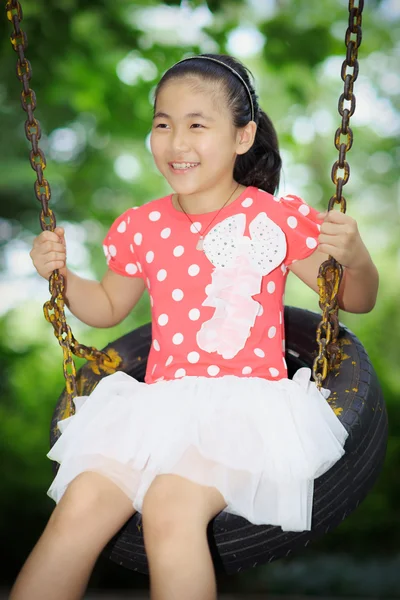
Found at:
(183, 166)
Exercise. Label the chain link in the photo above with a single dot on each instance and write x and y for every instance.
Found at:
(331, 272)
(54, 308)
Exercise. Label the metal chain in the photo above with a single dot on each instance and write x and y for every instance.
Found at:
(54, 308)
(331, 272)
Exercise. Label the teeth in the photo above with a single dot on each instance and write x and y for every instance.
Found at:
(184, 165)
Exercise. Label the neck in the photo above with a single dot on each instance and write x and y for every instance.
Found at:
(208, 200)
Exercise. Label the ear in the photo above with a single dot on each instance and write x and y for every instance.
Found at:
(245, 137)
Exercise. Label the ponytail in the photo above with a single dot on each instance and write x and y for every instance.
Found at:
(261, 165)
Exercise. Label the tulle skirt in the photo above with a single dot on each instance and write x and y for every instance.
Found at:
(261, 443)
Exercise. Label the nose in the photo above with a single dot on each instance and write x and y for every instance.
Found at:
(179, 140)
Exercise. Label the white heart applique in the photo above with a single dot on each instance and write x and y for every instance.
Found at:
(266, 248)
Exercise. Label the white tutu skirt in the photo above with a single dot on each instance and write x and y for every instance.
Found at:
(261, 443)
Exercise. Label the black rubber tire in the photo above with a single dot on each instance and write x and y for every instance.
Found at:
(235, 543)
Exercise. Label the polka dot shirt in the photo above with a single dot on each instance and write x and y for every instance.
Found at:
(218, 311)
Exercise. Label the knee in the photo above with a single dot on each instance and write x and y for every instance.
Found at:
(81, 500)
(167, 521)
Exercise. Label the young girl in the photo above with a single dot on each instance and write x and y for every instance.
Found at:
(217, 425)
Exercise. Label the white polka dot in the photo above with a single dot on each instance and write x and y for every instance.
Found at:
(121, 227)
(280, 317)
(148, 282)
(311, 242)
(137, 238)
(156, 345)
(271, 287)
(319, 227)
(272, 332)
(194, 270)
(283, 345)
(246, 370)
(195, 227)
(131, 269)
(151, 301)
(166, 233)
(292, 222)
(150, 256)
(112, 250)
(259, 352)
(304, 209)
(154, 215)
(163, 319)
(131, 248)
(177, 339)
(169, 360)
(276, 199)
(274, 372)
(194, 314)
(247, 202)
(161, 275)
(284, 362)
(283, 268)
(153, 369)
(213, 370)
(178, 251)
(139, 266)
(193, 357)
(260, 311)
(177, 295)
(208, 289)
(180, 373)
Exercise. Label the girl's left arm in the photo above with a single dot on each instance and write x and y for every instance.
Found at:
(340, 238)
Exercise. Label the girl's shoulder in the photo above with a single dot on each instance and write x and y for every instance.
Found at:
(150, 210)
(291, 209)
(286, 202)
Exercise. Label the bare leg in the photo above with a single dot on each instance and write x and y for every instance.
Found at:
(183, 568)
(90, 512)
(176, 513)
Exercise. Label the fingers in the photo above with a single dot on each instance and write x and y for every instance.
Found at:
(49, 252)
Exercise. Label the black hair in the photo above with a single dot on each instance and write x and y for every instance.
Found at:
(261, 165)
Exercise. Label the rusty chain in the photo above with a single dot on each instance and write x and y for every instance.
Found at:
(331, 272)
(54, 308)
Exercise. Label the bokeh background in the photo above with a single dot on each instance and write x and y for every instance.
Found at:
(95, 66)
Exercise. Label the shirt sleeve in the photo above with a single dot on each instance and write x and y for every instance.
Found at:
(120, 246)
(302, 228)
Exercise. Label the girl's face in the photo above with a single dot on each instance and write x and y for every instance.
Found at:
(192, 126)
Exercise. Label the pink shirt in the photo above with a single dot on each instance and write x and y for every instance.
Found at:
(218, 311)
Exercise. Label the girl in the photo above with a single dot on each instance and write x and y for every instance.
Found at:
(217, 425)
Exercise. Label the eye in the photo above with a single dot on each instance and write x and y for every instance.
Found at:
(160, 125)
(199, 124)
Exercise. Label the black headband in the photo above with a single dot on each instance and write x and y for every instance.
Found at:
(228, 67)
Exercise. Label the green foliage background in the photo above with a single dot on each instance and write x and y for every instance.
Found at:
(76, 48)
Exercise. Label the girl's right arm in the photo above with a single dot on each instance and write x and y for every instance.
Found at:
(98, 304)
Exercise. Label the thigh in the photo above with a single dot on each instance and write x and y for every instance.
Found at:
(93, 504)
(173, 502)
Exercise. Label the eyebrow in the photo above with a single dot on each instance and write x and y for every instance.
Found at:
(187, 116)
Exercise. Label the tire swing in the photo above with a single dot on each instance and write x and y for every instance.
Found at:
(340, 361)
